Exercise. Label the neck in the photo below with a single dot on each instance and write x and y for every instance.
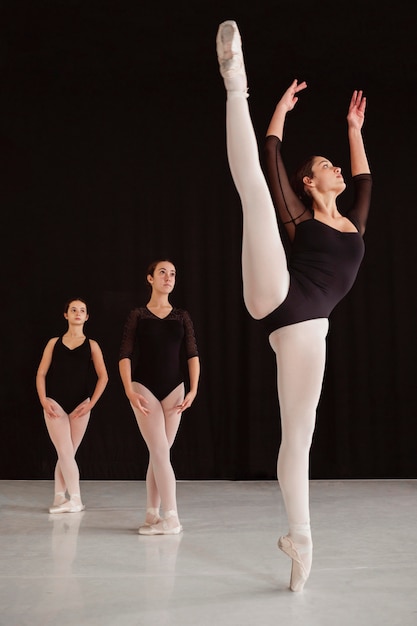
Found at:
(159, 301)
(75, 331)
(326, 204)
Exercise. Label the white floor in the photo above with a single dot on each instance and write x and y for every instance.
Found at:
(92, 568)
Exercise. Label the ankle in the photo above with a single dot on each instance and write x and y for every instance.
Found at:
(230, 94)
(152, 515)
(59, 498)
(170, 519)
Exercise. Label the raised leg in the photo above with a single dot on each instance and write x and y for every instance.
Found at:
(264, 266)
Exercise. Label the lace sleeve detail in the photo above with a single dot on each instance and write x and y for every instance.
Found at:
(190, 343)
(289, 208)
(129, 334)
(358, 214)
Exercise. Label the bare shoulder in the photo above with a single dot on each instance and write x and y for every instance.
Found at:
(95, 348)
(51, 343)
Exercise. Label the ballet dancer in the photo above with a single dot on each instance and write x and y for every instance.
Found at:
(62, 383)
(150, 365)
(293, 294)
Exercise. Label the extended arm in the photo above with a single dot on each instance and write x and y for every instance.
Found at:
(355, 118)
(289, 208)
(287, 103)
(359, 162)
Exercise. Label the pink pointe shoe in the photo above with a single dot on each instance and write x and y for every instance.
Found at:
(299, 574)
(153, 516)
(163, 527)
(67, 507)
(230, 57)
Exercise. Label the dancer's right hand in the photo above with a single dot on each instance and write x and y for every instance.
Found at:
(138, 401)
(49, 408)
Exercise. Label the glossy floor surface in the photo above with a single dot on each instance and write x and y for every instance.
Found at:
(92, 568)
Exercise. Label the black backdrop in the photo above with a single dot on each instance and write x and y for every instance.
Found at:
(112, 151)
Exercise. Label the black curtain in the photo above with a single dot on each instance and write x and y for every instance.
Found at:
(112, 151)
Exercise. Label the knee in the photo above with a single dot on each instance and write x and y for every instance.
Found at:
(160, 454)
(298, 440)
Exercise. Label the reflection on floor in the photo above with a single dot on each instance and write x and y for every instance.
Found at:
(92, 568)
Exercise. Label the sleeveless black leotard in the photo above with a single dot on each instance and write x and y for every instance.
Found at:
(68, 377)
(322, 261)
(158, 348)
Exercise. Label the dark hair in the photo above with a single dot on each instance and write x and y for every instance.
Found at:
(305, 169)
(152, 267)
(68, 302)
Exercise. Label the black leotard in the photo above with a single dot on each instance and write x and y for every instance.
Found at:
(157, 347)
(68, 377)
(323, 262)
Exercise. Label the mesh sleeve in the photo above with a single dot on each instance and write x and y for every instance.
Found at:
(289, 208)
(128, 337)
(189, 337)
(358, 214)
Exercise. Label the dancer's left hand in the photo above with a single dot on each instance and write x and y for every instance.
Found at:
(356, 113)
(82, 409)
(187, 402)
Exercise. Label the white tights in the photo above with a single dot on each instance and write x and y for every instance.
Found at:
(300, 348)
(66, 433)
(159, 429)
(263, 255)
(301, 355)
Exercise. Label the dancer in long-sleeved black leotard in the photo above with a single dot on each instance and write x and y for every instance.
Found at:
(293, 297)
(157, 338)
(323, 261)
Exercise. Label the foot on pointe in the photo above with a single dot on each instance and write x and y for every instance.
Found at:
(230, 57)
(299, 571)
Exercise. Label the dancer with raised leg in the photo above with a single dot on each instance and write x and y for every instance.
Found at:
(293, 294)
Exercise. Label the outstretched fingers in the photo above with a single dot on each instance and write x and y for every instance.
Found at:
(358, 101)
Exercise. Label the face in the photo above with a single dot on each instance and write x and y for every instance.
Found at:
(76, 313)
(326, 177)
(163, 279)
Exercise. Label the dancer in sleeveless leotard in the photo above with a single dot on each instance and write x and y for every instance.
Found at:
(157, 338)
(62, 382)
(293, 297)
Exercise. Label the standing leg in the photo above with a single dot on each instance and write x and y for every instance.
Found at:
(262, 250)
(159, 429)
(66, 434)
(301, 355)
(171, 427)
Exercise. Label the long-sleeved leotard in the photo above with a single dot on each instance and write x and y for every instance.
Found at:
(323, 262)
(157, 348)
